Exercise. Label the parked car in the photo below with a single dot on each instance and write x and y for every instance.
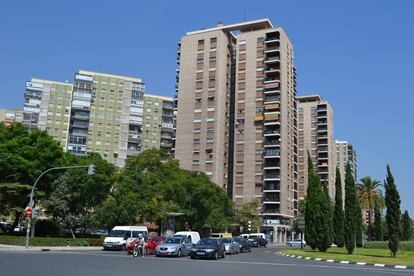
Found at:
(151, 242)
(231, 245)
(193, 236)
(244, 245)
(121, 236)
(174, 246)
(208, 248)
(258, 242)
(296, 243)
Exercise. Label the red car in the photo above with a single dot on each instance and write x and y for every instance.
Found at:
(151, 243)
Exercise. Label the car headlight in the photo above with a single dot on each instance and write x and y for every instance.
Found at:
(209, 250)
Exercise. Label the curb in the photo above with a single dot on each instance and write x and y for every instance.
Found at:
(346, 262)
(47, 249)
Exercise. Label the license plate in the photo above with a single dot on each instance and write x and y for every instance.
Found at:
(109, 245)
(201, 253)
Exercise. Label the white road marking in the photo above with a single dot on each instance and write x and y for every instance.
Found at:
(308, 258)
(318, 259)
(344, 262)
(380, 265)
(361, 263)
(400, 266)
(330, 261)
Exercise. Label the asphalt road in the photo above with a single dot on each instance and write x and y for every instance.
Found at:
(260, 262)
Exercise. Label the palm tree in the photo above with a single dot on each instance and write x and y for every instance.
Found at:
(370, 197)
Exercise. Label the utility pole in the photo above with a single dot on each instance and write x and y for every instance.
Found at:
(30, 219)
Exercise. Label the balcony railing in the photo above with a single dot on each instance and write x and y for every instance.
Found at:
(271, 176)
(272, 131)
(271, 152)
(271, 187)
(272, 99)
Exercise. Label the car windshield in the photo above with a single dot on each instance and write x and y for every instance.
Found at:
(208, 242)
(226, 240)
(173, 240)
(147, 239)
(118, 233)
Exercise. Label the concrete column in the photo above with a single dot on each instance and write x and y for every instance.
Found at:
(285, 236)
(275, 235)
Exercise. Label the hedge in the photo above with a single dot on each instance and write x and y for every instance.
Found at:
(39, 241)
(404, 245)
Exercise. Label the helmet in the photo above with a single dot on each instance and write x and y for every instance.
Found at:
(140, 235)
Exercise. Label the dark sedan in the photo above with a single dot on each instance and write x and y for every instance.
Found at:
(244, 245)
(258, 242)
(208, 248)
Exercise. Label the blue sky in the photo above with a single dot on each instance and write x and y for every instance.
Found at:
(359, 55)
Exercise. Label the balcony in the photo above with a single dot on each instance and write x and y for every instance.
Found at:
(272, 91)
(272, 132)
(322, 128)
(271, 187)
(323, 164)
(169, 105)
(134, 138)
(271, 199)
(166, 145)
(271, 164)
(272, 38)
(271, 153)
(272, 48)
(132, 151)
(271, 143)
(80, 124)
(273, 116)
(271, 86)
(271, 99)
(323, 149)
(270, 60)
(271, 176)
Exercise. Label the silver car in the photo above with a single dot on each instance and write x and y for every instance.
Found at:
(174, 246)
(231, 246)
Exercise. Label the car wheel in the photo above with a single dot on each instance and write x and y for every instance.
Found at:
(250, 250)
(157, 255)
(224, 255)
(179, 253)
(216, 256)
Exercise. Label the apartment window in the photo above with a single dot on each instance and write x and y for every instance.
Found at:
(211, 99)
(212, 59)
(196, 141)
(198, 100)
(213, 40)
(210, 141)
(201, 42)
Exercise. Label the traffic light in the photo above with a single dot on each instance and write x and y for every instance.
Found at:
(91, 169)
(249, 226)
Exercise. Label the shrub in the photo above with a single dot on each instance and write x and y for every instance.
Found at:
(404, 246)
(39, 241)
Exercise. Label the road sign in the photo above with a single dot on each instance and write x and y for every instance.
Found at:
(28, 212)
(301, 222)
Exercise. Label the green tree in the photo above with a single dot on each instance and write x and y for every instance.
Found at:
(338, 217)
(248, 211)
(76, 195)
(392, 201)
(378, 231)
(312, 207)
(350, 210)
(370, 197)
(325, 222)
(359, 227)
(24, 156)
(406, 226)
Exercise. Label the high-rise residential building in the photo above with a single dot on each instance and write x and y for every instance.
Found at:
(236, 115)
(345, 152)
(157, 127)
(316, 136)
(10, 116)
(106, 115)
(47, 107)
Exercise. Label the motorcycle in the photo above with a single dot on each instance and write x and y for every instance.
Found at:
(138, 249)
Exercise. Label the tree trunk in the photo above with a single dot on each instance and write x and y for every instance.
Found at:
(73, 234)
(369, 222)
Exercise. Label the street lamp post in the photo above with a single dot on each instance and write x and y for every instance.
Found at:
(91, 170)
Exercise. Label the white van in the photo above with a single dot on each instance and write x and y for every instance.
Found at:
(121, 236)
(193, 236)
(252, 235)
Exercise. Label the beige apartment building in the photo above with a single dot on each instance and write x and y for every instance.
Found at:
(316, 136)
(236, 115)
(47, 107)
(345, 152)
(10, 116)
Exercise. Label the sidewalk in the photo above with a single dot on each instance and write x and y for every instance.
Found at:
(14, 248)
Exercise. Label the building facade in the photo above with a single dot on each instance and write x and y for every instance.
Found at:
(345, 152)
(10, 116)
(157, 127)
(236, 115)
(316, 136)
(106, 116)
(47, 107)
